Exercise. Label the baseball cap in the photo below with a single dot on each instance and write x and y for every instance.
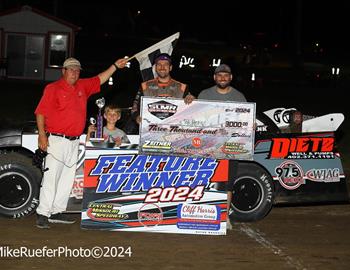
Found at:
(71, 62)
(223, 68)
(162, 56)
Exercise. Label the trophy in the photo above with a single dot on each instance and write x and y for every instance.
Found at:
(93, 122)
(99, 128)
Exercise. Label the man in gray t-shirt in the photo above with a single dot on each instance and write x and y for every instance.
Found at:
(224, 92)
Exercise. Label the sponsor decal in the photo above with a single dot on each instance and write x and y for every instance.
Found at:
(290, 175)
(278, 116)
(233, 148)
(162, 109)
(302, 148)
(196, 142)
(198, 217)
(77, 189)
(323, 175)
(149, 145)
(150, 215)
(105, 212)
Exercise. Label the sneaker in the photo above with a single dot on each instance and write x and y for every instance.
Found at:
(228, 224)
(61, 218)
(42, 222)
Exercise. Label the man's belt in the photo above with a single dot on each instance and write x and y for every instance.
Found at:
(71, 138)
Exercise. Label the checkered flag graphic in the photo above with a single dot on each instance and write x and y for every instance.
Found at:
(146, 57)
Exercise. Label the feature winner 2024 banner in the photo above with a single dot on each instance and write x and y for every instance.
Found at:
(220, 130)
(125, 191)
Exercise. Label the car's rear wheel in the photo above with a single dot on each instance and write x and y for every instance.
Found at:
(19, 185)
(252, 195)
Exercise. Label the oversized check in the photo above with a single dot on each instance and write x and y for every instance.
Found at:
(220, 130)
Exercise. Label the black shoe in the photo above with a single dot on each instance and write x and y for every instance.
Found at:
(61, 218)
(42, 222)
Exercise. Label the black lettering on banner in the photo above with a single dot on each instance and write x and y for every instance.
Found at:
(233, 124)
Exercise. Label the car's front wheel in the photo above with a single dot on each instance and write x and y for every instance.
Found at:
(19, 185)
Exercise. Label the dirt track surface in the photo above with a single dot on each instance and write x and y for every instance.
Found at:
(315, 237)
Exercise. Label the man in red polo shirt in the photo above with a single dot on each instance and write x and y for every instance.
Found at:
(60, 118)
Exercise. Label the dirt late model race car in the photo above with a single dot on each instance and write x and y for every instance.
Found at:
(295, 161)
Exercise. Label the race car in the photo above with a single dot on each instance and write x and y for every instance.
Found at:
(295, 161)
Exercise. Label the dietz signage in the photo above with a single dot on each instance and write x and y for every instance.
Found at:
(303, 148)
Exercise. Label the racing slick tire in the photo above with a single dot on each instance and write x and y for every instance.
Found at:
(19, 185)
(252, 195)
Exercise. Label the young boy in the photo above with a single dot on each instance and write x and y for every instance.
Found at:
(111, 133)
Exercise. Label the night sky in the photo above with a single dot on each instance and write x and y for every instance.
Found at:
(232, 22)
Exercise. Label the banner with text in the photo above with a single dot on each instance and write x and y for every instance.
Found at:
(124, 191)
(220, 130)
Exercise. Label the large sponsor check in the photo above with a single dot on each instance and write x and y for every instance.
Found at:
(220, 130)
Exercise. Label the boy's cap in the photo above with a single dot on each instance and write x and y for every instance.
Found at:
(162, 56)
(71, 62)
(223, 68)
